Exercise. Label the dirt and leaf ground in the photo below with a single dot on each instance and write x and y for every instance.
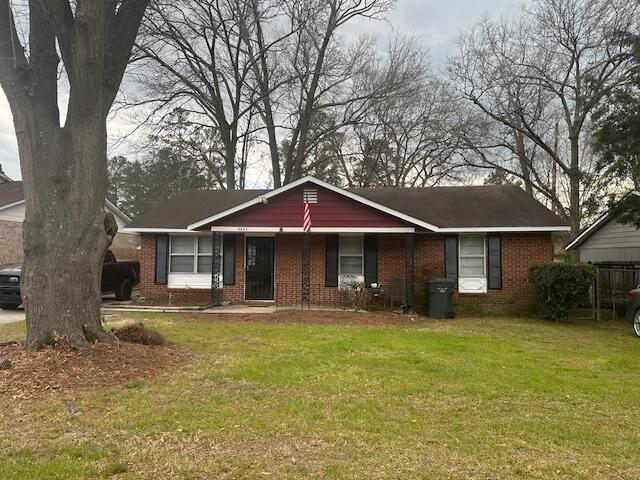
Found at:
(304, 395)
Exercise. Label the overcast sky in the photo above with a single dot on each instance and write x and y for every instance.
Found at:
(437, 22)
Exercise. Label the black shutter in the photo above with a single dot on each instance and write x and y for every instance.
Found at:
(495, 261)
(331, 261)
(370, 259)
(162, 259)
(451, 257)
(228, 259)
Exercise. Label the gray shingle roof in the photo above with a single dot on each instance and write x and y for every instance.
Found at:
(193, 205)
(502, 206)
(466, 206)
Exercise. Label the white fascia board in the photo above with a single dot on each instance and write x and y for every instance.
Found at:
(240, 229)
(353, 229)
(563, 228)
(157, 230)
(320, 183)
(245, 229)
(589, 230)
(9, 205)
(117, 211)
(109, 205)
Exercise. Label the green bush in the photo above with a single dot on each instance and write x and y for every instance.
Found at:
(559, 287)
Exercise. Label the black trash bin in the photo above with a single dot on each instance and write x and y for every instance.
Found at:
(440, 297)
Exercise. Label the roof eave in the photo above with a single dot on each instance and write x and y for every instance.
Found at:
(108, 204)
(549, 228)
(261, 199)
(587, 232)
(156, 230)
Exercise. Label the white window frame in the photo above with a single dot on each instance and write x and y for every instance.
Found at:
(196, 254)
(483, 256)
(340, 255)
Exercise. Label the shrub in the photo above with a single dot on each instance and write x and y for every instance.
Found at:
(559, 287)
(353, 295)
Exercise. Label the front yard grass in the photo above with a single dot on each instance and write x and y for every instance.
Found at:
(470, 398)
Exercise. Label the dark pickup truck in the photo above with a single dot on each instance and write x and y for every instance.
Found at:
(117, 277)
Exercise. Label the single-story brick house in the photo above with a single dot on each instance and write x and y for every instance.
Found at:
(252, 247)
(12, 211)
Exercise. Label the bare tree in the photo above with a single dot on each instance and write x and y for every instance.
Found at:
(405, 137)
(327, 77)
(268, 74)
(66, 229)
(209, 58)
(524, 77)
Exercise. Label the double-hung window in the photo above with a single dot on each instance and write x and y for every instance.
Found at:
(472, 256)
(191, 254)
(205, 254)
(351, 257)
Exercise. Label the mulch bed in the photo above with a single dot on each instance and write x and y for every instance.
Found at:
(33, 374)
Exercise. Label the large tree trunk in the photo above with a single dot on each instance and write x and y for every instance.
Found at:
(273, 145)
(574, 192)
(524, 162)
(66, 230)
(230, 165)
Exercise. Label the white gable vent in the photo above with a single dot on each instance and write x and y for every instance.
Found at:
(310, 195)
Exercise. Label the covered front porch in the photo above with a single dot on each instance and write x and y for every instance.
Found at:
(313, 269)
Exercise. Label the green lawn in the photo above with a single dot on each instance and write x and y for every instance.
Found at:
(470, 398)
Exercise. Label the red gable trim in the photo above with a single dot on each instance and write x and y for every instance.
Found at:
(267, 200)
(332, 210)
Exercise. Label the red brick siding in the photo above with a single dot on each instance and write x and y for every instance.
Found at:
(164, 295)
(519, 251)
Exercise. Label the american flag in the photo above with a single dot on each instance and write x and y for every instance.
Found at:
(306, 220)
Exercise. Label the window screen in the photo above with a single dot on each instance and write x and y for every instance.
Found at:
(351, 256)
(191, 254)
(472, 256)
(182, 254)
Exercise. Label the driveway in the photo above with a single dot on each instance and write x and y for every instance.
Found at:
(11, 316)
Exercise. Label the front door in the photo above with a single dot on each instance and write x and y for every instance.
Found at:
(259, 268)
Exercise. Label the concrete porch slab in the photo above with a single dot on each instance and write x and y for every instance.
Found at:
(242, 309)
(263, 309)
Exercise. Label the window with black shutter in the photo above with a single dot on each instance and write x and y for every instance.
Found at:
(331, 261)
(229, 259)
(451, 257)
(494, 261)
(370, 259)
(162, 259)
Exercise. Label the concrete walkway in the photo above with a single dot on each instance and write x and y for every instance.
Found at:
(11, 316)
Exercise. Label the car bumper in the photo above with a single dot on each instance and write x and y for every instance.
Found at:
(10, 295)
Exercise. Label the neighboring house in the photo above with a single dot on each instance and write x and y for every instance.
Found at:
(4, 178)
(12, 212)
(608, 242)
(485, 237)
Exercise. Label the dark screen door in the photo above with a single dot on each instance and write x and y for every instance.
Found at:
(259, 266)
